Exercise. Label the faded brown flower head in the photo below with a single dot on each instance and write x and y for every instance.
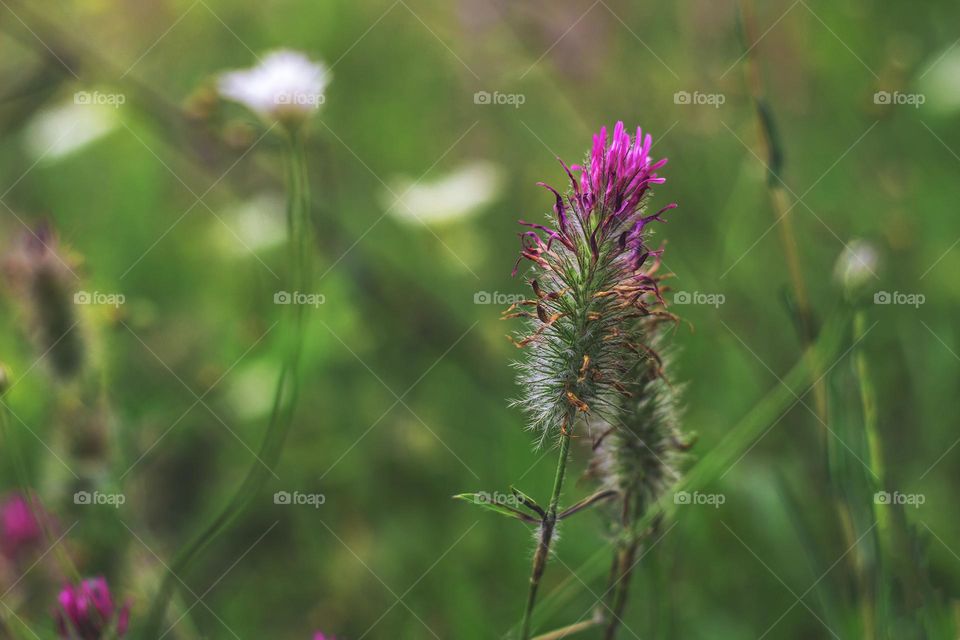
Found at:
(41, 276)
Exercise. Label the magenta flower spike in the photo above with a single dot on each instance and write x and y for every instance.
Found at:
(595, 307)
(87, 611)
(593, 275)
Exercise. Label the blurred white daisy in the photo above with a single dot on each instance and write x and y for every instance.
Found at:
(253, 225)
(286, 87)
(939, 82)
(458, 194)
(62, 130)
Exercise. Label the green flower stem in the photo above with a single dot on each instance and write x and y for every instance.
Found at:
(285, 396)
(624, 563)
(626, 559)
(874, 598)
(868, 396)
(567, 631)
(547, 528)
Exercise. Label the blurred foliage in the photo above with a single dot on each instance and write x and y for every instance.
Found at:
(405, 398)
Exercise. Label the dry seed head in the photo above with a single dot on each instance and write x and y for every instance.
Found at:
(41, 275)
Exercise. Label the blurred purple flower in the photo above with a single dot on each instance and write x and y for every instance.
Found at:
(87, 611)
(19, 528)
(319, 635)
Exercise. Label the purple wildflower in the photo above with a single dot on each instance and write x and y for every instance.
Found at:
(87, 611)
(605, 204)
(19, 528)
(319, 635)
(594, 278)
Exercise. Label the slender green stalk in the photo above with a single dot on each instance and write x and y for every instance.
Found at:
(782, 208)
(868, 396)
(547, 528)
(803, 309)
(285, 395)
(883, 535)
(567, 631)
(624, 563)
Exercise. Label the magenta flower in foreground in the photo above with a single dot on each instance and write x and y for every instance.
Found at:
(593, 277)
(605, 204)
(19, 528)
(321, 636)
(87, 611)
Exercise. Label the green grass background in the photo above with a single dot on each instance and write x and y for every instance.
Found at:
(405, 400)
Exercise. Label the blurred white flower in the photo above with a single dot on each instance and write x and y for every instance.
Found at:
(857, 264)
(250, 389)
(286, 86)
(62, 130)
(456, 195)
(254, 225)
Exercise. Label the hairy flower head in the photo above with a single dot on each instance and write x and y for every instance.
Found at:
(595, 286)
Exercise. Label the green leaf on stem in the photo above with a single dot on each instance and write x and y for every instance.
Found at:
(483, 500)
